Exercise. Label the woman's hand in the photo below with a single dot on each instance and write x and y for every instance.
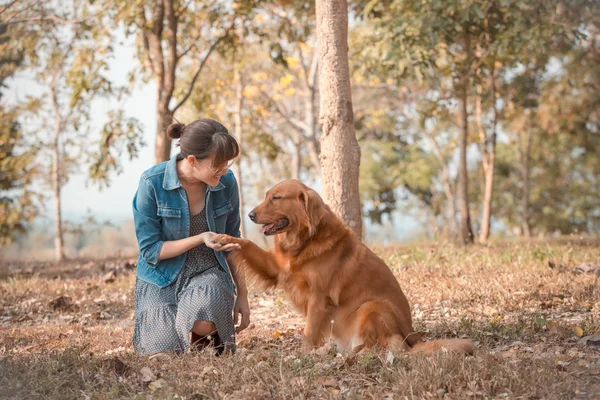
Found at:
(210, 243)
(241, 307)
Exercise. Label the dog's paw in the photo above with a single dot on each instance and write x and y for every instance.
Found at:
(223, 239)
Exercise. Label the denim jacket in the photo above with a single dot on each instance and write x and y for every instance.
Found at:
(161, 213)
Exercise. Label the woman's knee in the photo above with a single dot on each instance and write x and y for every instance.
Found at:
(204, 328)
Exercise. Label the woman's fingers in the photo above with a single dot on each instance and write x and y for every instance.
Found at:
(231, 246)
(223, 247)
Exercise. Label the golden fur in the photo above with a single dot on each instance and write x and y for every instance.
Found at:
(342, 288)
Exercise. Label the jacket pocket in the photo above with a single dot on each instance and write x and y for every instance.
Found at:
(220, 214)
(171, 222)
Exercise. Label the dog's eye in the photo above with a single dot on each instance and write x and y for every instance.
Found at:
(276, 197)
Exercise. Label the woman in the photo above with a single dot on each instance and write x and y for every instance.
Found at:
(184, 285)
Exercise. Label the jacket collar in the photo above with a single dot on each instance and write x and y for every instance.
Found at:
(171, 180)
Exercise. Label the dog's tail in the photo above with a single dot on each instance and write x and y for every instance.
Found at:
(464, 346)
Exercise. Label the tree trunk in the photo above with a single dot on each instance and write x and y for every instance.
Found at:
(239, 105)
(162, 151)
(59, 253)
(310, 115)
(466, 231)
(525, 158)
(297, 157)
(340, 152)
(488, 158)
(448, 191)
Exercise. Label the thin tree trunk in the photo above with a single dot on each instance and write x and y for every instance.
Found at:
(488, 146)
(525, 169)
(466, 231)
(310, 114)
(296, 157)
(162, 151)
(448, 192)
(340, 152)
(59, 254)
(239, 105)
(465, 217)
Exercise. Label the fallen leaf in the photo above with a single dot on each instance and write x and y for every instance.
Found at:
(593, 340)
(109, 277)
(62, 303)
(389, 357)
(586, 268)
(593, 371)
(558, 266)
(327, 382)
(154, 386)
(147, 375)
(578, 331)
(297, 381)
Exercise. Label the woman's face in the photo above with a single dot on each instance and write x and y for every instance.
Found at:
(203, 170)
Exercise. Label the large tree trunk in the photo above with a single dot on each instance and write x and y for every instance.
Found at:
(59, 253)
(489, 157)
(239, 105)
(465, 217)
(340, 152)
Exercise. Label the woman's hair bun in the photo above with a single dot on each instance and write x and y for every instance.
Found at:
(175, 130)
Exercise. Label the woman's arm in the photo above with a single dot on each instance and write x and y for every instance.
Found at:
(232, 228)
(239, 277)
(173, 248)
(148, 230)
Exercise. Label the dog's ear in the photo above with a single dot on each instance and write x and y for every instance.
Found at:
(314, 209)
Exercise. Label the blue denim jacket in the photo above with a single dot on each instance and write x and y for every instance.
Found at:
(161, 213)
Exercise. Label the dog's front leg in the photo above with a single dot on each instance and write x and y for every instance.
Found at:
(318, 319)
(260, 262)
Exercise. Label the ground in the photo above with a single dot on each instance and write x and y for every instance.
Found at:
(66, 333)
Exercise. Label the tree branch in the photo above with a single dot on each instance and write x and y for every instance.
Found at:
(199, 70)
(143, 27)
(294, 122)
(172, 50)
(55, 18)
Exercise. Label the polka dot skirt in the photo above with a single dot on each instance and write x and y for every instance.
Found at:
(164, 317)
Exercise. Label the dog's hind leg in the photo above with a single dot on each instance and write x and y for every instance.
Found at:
(373, 326)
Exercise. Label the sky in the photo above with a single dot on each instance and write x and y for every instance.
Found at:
(114, 203)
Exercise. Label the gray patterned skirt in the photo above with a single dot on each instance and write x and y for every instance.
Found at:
(164, 317)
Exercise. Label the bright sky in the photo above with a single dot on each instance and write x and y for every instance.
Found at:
(115, 201)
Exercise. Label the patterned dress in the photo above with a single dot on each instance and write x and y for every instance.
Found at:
(164, 317)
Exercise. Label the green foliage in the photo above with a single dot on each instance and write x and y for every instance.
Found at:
(120, 136)
(18, 205)
(545, 58)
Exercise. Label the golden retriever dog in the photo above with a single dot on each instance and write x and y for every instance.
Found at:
(342, 288)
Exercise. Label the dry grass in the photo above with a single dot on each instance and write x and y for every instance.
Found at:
(520, 312)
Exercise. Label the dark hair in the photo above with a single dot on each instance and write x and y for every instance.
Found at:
(202, 138)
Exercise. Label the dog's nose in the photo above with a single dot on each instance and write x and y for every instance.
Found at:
(252, 215)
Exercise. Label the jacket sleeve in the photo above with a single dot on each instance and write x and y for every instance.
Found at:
(147, 223)
(232, 227)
